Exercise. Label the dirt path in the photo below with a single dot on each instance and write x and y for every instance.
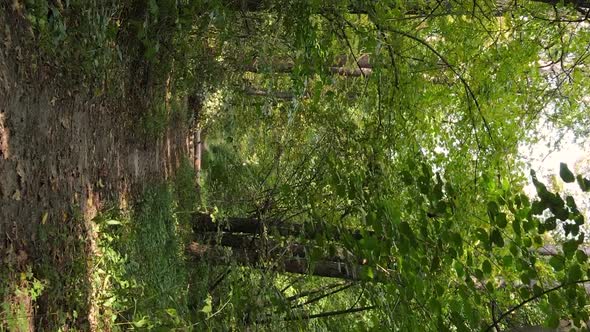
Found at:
(62, 152)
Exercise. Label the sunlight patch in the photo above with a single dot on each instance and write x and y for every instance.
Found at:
(4, 135)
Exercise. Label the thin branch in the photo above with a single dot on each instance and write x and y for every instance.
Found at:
(521, 304)
(315, 299)
(468, 89)
(219, 280)
(494, 320)
(295, 280)
(358, 298)
(470, 92)
(328, 314)
(314, 291)
(351, 50)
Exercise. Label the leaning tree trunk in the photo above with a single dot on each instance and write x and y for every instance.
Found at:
(412, 8)
(249, 257)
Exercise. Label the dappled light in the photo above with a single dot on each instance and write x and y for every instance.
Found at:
(294, 165)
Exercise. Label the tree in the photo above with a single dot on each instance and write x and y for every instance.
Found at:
(423, 161)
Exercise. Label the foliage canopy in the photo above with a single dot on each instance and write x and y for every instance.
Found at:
(386, 133)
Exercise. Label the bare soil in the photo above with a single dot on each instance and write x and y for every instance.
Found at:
(62, 151)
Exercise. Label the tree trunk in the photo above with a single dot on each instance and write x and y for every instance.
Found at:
(248, 257)
(203, 222)
(411, 7)
(270, 247)
(361, 67)
(198, 149)
(283, 95)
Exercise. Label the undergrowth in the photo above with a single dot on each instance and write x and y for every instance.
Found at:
(142, 259)
(18, 298)
(138, 278)
(143, 279)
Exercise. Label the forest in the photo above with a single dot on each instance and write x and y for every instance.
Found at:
(295, 165)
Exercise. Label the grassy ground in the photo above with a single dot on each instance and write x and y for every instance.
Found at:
(138, 277)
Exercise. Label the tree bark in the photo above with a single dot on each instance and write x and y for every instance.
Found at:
(203, 223)
(248, 257)
(271, 247)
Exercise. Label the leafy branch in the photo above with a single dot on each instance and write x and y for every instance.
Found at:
(533, 298)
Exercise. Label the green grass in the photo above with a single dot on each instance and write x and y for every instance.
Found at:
(149, 279)
(157, 263)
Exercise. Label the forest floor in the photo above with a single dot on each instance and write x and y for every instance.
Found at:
(64, 155)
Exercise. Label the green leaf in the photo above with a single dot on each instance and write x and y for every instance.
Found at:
(529, 224)
(557, 262)
(527, 242)
(501, 220)
(141, 323)
(435, 263)
(459, 269)
(583, 183)
(208, 307)
(482, 235)
(172, 312)
(552, 320)
(492, 209)
(579, 219)
(516, 226)
(427, 171)
(479, 274)
(550, 224)
(569, 248)
(486, 267)
(441, 208)
(113, 222)
(507, 260)
(581, 256)
(434, 305)
(496, 238)
(571, 203)
(407, 178)
(565, 173)
(372, 218)
(406, 230)
(514, 249)
(153, 7)
(555, 299)
(524, 291)
(537, 208)
(456, 239)
(560, 212)
(574, 273)
(369, 273)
